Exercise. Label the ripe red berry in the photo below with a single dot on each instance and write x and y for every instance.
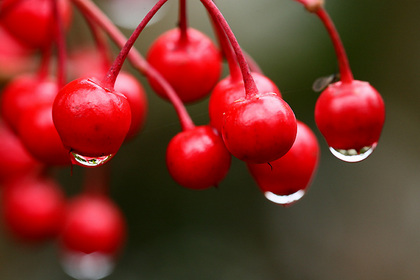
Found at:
(191, 65)
(33, 208)
(23, 93)
(40, 137)
(228, 91)
(131, 88)
(93, 224)
(287, 179)
(91, 120)
(350, 116)
(32, 22)
(15, 159)
(197, 158)
(259, 128)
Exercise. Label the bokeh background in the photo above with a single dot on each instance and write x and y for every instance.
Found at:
(358, 221)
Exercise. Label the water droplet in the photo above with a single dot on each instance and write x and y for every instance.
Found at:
(83, 266)
(353, 155)
(89, 161)
(285, 200)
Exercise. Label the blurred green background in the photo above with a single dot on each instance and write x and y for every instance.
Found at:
(358, 221)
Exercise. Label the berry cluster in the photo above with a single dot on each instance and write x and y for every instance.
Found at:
(84, 110)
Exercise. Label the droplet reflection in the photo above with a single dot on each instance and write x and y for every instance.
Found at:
(353, 155)
(285, 200)
(83, 266)
(89, 161)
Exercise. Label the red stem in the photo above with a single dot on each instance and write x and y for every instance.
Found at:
(91, 11)
(183, 25)
(44, 66)
(316, 7)
(61, 46)
(111, 76)
(249, 83)
(234, 70)
(101, 45)
(346, 75)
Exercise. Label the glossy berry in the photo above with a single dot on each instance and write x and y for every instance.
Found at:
(228, 91)
(40, 137)
(260, 128)
(32, 21)
(33, 208)
(131, 88)
(191, 65)
(91, 120)
(350, 115)
(15, 159)
(291, 173)
(93, 224)
(23, 93)
(197, 158)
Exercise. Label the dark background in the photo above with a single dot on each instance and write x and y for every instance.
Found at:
(358, 221)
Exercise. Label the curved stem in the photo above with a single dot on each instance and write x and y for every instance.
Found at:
(44, 66)
(111, 76)
(90, 10)
(316, 7)
(249, 83)
(61, 46)
(346, 75)
(101, 45)
(234, 70)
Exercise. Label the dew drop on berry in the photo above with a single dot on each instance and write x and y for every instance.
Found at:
(353, 155)
(84, 266)
(284, 200)
(89, 161)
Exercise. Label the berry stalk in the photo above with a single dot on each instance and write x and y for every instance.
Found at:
(111, 76)
(93, 13)
(316, 7)
(183, 25)
(234, 70)
(61, 45)
(250, 86)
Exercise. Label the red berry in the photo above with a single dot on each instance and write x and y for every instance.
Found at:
(91, 120)
(131, 88)
(191, 66)
(33, 208)
(93, 224)
(40, 137)
(228, 91)
(286, 180)
(350, 116)
(15, 159)
(23, 93)
(32, 21)
(197, 158)
(260, 128)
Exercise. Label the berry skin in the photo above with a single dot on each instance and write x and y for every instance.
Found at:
(192, 66)
(40, 137)
(33, 208)
(259, 128)
(93, 224)
(350, 115)
(131, 88)
(91, 120)
(228, 91)
(292, 172)
(23, 93)
(32, 21)
(197, 158)
(15, 159)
